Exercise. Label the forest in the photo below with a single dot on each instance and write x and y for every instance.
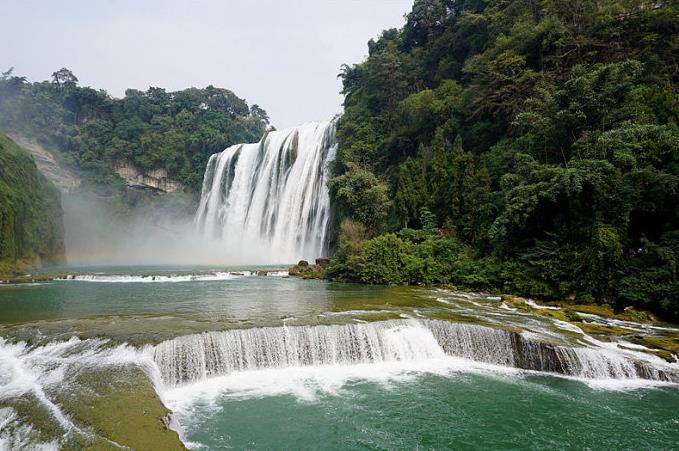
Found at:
(154, 129)
(31, 228)
(525, 146)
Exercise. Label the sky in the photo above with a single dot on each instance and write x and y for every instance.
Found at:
(283, 55)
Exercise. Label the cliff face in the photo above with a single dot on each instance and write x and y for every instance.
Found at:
(156, 179)
(31, 217)
(63, 178)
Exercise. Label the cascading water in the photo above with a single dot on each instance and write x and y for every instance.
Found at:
(268, 202)
(184, 368)
(196, 357)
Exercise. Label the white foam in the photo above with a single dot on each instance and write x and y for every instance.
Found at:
(537, 306)
(14, 436)
(629, 325)
(307, 383)
(357, 312)
(34, 370)
(129, 278)
(278, 273)
(563, 325)
(627, 344)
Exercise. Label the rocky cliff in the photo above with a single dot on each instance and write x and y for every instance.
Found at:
(63, 178)
(156, 179)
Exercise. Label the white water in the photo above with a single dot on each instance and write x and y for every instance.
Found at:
(129, 278)
(33, 372)
(537, 306)
(268, 202)
(15, 435)
(169, 278)
(307, 360)
(193, 358)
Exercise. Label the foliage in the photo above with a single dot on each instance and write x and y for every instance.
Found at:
(361, 196)
(543, 137)
(153, 129)
(31, 229)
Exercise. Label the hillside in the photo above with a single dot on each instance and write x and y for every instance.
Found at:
(154, 138)
(31, 228)
(528, 146)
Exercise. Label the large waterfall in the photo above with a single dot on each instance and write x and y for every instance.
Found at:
(268, 202)
(195, 357)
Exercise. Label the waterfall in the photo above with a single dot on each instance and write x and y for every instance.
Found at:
(195, 357)
(268, 202)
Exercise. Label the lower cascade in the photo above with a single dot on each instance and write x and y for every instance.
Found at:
(195, 357)
(268, 201)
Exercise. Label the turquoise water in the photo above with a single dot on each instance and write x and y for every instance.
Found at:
(460, 411)
(433, 403)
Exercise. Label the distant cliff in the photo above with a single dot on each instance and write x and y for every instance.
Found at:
(31, 223)
(154, 179)
(64, 178)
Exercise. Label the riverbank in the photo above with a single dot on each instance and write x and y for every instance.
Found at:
(598, 320)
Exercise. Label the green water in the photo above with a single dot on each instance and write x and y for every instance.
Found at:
(150, 312)
(420, 405)
(462, 411)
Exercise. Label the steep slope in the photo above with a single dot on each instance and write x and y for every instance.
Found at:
(31, 228)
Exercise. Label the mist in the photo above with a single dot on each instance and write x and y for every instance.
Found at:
(157, 230)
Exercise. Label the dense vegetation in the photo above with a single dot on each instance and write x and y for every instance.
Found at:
(522, 145)
(155, 129)
(31, 228)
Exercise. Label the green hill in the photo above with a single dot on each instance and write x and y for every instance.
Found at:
(31, 229)
(532, 144)
(152, 131)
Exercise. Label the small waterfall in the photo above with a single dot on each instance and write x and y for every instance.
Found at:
(195, 357)
(269, 201)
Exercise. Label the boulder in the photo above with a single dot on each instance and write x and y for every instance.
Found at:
(323, 261)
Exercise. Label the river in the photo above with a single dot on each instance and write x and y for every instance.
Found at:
(248, 358)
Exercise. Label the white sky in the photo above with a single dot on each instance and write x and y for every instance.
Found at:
(283, 55)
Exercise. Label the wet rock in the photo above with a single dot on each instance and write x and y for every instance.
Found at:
(156, 179)
(323, 262)
(307, 271)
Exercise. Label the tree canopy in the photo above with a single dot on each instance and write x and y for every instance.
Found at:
(541, 134)
(154, 129)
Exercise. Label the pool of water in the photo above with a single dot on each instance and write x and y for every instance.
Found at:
(454, 409)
